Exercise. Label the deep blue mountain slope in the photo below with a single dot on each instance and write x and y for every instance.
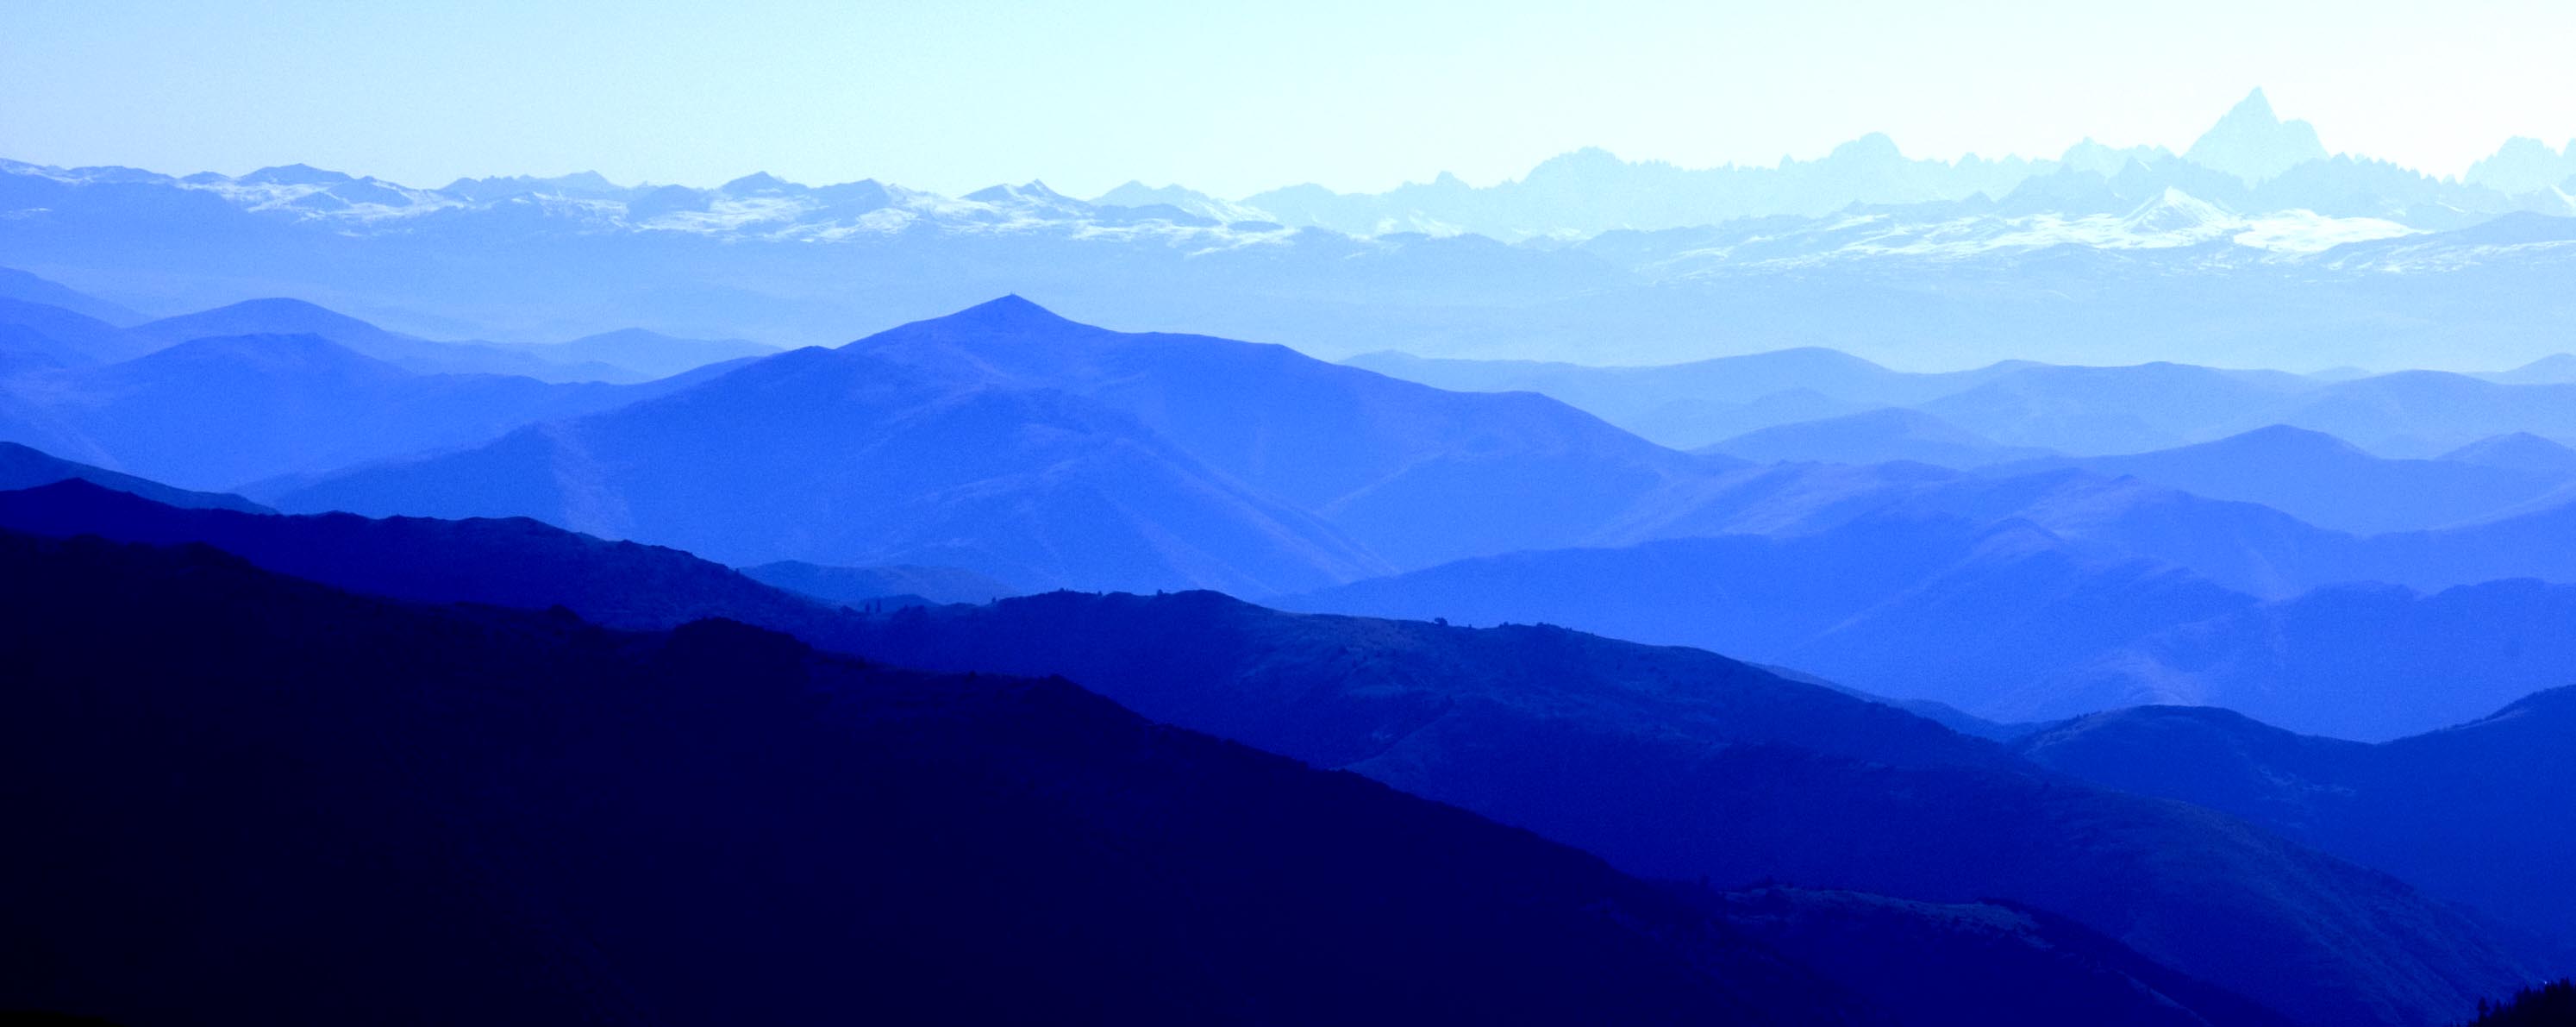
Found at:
(337, 809)
(1678, 763)
(508, 562)
(1674, 762)
(856, 585)
(24, 468)
(2476, 811)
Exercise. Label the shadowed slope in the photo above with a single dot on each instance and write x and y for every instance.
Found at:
(523, 819)
(409, 815)
(24, 468)
(1676, 763)
(2476, 811)
(1679, 763)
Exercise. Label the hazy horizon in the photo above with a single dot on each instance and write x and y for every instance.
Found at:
(1231, 102)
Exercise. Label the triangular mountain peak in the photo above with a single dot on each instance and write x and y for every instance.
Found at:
(1010, 312)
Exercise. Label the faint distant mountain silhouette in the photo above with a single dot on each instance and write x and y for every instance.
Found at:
(28, 288)
(281, 316)
(646, 353)
(1870, 437)
(2556, 368)
(2080, 410)
(2525, 166)
(2328, 482)
(65, 336)
(226, 411)
(2254, 144)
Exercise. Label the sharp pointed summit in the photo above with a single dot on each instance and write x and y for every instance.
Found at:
(2254, 144)
(1010, 311)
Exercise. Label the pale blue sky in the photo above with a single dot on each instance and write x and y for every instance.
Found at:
(1234, 98)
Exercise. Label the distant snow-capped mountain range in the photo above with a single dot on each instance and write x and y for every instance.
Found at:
(2253, 179)
(2254, 247)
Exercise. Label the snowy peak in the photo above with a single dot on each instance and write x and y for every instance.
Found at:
(2254, 144)
(2176, 212)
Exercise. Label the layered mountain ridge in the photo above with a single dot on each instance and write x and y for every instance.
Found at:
(1450, 712)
